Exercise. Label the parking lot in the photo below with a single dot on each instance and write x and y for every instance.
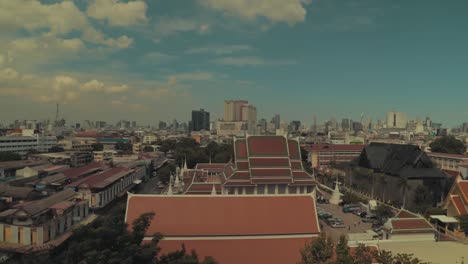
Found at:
(352, 222)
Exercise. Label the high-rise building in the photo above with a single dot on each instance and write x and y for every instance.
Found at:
(239, 117)
(134, 124)
(396, 120)
(277, 121)
(465, 127)
(200, 120)
(345, 124)
(162, 125)
(295, 125)
(233, 110)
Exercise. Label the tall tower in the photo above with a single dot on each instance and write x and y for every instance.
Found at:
(57, 115)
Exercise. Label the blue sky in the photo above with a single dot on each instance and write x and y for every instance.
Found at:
(159, 59)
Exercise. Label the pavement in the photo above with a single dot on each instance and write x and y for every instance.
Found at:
(352, 222)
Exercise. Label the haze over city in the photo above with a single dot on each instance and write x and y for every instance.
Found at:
(233, 131)
(328, 58)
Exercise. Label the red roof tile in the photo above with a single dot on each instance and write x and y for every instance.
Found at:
(336, 147)
(270, 180)
(245, 175)
(301, 174)
(269, 162)
(296, 165)
(457, 201)
(267, 146)
(446, 155)
(463, 187)
(411, 224)
(208, 166)
(405, 214)
(294, 149)
(270, 172)
(242, 165)
(241, 149)
(246, 251)
(226, 215)
(451, 173)
(77, 172)
(102, 179)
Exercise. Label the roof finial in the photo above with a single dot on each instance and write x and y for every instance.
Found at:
(213, 190)
(185, 164)
(169, 192)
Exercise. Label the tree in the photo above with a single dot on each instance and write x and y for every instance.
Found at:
(164, 173)
(9, 156)
(350, 198)
(56, 149)
(362, 255)
(97, 146)
(403, 258)
(423, 198)
(383, 182)
(383, 257)
(463, 219)
(370, 179)
(343, 255)
(167, 146)
(304, 154)
(448, 144)
(383, 212)
(124, 146)
(403, 184)
(148, 149)
(317, 251)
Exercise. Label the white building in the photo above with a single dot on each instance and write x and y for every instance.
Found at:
(23, 144)
(148, 139)
(396, 120)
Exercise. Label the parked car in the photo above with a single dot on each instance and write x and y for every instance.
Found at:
(350, 209)
(338, 224)
(325, 215)
(362, 214)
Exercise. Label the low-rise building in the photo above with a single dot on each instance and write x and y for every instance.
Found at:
(261, 228)
(33, 224)
(104, 156)
(23, 144)
(78, 159)
(407, 226)
(448, 161)
(101, 188)
(324, 155)
(149, 139)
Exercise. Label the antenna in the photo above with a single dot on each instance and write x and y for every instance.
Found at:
(57, 114)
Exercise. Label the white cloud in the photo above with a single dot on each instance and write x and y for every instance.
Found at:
(93, 85)
(57, 19)
(169, 26)
(289, 11)
(251, 61)
(220, 50)
(118, 13)
(156, 57)
(117, 89)
(193, 76)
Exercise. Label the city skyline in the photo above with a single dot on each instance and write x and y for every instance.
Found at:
(304, 57)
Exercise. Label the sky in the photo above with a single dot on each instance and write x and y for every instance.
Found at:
(160, 59)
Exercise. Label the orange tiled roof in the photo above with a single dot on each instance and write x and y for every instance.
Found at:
(245, 251)
(458, 202)
(241, 149)
(294, 149)
(267, 146)
(411, 224)
(226, 215)
(463, 187)
(405, 214)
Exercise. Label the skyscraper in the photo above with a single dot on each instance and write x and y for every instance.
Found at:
(200, 120)
(233, 110)
(396, 120)
(277, 121)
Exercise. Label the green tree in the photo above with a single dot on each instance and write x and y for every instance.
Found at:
(148, 149)
(404, 186)
(362, 255)
(383, 212)
(125, 147)
(167, 146)
(317, 251)
(383, 257)
(370, 179)
(343, 255)
(423, 198)
(97, 146)
(9, 156)
(448, 144)
(164, 173)
(383, 182)
(403, 258)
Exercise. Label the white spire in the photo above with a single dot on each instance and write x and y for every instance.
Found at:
(185, 164)
(169, 192)
(177, 182)
(213, 190)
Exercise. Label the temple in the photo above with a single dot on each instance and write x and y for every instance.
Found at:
(260, 165)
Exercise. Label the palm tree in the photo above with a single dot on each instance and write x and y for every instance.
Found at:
(403, 184)
(383, 182)
(370, 178)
